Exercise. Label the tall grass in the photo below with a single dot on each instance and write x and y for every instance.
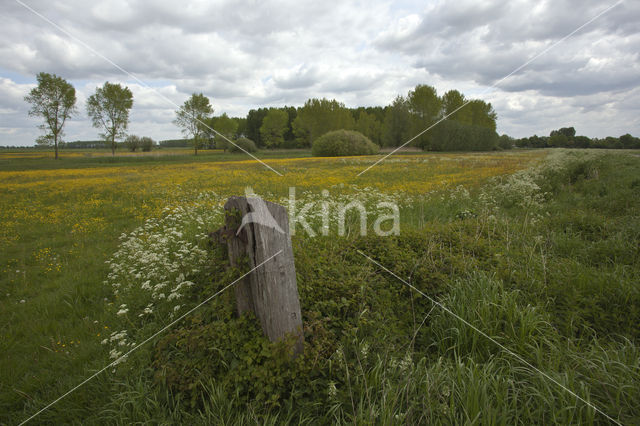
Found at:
(544, 261)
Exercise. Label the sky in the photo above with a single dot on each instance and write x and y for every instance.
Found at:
(251, 54)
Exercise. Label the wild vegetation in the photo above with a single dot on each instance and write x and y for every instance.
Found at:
(108, 110)
(54, 100)
(342, 143)
(285, 127)
(537, 249)
(459, 124)
(566, 138)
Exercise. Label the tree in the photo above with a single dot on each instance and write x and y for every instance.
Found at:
(397, 120)
(274, 125)
(289, 136)
(242, 126)
(109, 109)
(505, 142)
(451, 135)
(424, 106)
(146, 143)
(132, 142)
(628, 141)
(479, 113)
(368, 125)
(569, 132)
(451, 101)
(582, 142)
(225, 126)
(319, 116)
(54, 99)
(253, 124)
(191, 118)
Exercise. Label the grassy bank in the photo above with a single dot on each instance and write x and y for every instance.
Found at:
(538, 253)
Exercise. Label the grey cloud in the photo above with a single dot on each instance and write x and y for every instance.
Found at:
(245, 55)
(485, 42)
(300, 77)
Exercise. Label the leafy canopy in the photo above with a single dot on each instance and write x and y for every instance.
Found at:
(109, 109)
(54, 100)
(274, 125)
(319, 116)
(226, 128)
(191, 117)
(338, 143)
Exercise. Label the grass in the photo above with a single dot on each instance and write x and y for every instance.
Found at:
(538, 249)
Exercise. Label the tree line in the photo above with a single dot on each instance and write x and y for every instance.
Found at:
(565, 137)
(466, 124)
(54, 100)
(455, 123)
(108, 108)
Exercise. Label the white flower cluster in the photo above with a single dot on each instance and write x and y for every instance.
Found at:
(154, 265)
(522, 188)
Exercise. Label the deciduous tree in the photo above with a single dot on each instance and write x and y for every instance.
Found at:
(225, 126)
(480, 113)
(191, 117)
(253, 124)
(424, 106)
(397, 122)
(274, 125)
(451, 101)
(319, 116)
(132, 142)
(368, 125)
(54, 99)
(109, 110)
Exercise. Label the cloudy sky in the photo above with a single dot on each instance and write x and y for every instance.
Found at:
(249, 54)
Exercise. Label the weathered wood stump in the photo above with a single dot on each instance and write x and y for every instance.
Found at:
(256, 230)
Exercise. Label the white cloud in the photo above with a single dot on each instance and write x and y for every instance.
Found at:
(250, 54)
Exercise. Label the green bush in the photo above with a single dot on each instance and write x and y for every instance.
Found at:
(451, 135)
(146, 143)
(132, 142)
(245, 143)
(505, 142)
(339, 143)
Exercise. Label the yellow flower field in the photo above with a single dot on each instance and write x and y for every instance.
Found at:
(100, 253)
(80, 198)
(66, 197)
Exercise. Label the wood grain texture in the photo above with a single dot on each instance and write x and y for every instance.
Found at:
(271, 291)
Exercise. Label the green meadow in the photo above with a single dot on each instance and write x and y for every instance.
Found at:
(514, 296)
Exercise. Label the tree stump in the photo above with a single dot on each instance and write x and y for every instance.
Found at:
(256, 230)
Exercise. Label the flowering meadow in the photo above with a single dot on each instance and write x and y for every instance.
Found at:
(538, 249)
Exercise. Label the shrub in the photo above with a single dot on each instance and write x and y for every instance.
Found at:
(505, 142)
(146, 143)
(340, 143)
(132, 142)
(451, 135)
(245, 143)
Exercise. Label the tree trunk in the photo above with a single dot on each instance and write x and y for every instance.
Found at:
(270, 291)
(55, 145)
